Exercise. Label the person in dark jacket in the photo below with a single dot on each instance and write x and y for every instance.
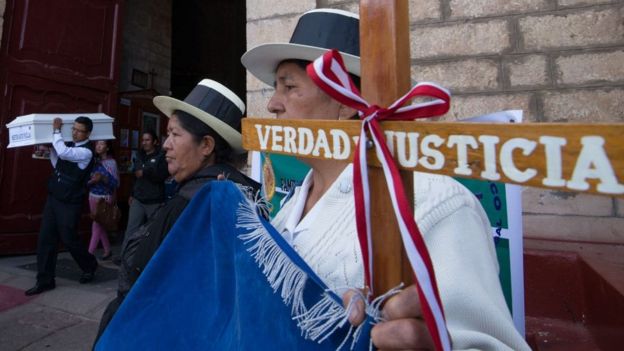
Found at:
(203, 144)
(67, 190)
(148, 193)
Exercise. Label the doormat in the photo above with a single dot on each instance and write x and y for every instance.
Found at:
(68, 269)
(11, 297)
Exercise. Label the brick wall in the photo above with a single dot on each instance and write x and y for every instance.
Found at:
(146, 43)
(269, 21)
(558, 60)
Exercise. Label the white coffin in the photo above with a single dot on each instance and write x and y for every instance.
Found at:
(36, 128)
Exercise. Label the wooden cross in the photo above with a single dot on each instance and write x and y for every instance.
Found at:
(385, 70)
(570, 157)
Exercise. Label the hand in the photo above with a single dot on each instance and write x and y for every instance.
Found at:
(130, 199)
(404, 328)
(57, 123)
(138, 173)
(357, 315)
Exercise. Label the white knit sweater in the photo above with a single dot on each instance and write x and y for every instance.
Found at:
(457, 235)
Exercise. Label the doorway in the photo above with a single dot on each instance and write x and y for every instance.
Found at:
(208, 39)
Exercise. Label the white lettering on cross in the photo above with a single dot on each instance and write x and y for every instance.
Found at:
(276, 136)
(552, 149)
(411, 147)
(263, 138)
(290, 139)
(428, 152)
(489, 157)
(462, 141)
(507, 163)
(321, 143)
(341, 145)
(593, 163)
(421, 152)
(306, 141)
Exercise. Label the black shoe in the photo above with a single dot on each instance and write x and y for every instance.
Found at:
(107, 257)
(87, 277)
(39, 288)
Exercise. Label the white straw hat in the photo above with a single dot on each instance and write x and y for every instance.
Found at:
(215, 105)
(317, 31)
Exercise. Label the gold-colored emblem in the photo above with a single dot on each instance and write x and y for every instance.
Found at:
(268, 178)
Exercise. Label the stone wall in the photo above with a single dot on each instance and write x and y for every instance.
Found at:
(146, 44)
(558, 60)
(269, 21)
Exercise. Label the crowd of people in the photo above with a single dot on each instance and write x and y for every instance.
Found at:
(203, 145)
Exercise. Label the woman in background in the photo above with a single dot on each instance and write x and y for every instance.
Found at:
(102, 186)
(203, 144)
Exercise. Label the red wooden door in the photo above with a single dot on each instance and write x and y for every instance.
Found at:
(56, 57)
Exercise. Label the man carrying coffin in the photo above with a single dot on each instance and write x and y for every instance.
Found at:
(67, 188)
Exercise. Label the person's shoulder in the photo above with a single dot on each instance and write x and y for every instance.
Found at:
(238, 176)
(439, 196)
(85, 144)
(109, 162)
(88, 146)
(435, 185)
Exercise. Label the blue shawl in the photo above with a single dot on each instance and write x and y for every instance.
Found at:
(224, 279)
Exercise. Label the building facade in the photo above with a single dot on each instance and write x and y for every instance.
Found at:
(557, 60)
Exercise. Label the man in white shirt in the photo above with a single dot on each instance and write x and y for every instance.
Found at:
(66, 193)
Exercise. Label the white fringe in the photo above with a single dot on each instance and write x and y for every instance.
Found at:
(317, 322)
(374, 308)
(320, 321)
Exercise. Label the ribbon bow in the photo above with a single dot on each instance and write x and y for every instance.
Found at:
(330, 74)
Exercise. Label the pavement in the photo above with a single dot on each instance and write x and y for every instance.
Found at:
(65, 318)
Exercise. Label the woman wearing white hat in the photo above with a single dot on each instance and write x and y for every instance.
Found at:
(203, 144)
(319, 220)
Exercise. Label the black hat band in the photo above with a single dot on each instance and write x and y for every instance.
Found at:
(328, 30)
(213, 102)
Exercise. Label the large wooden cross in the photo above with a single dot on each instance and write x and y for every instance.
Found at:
(570, 157)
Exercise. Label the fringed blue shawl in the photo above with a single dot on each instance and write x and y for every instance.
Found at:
(224, 279)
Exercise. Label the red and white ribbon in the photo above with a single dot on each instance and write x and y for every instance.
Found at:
(330, 74)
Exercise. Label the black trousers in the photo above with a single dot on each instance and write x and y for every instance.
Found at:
(60, 221)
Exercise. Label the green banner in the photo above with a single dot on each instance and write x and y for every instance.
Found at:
(493, 199)
(286, 171)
